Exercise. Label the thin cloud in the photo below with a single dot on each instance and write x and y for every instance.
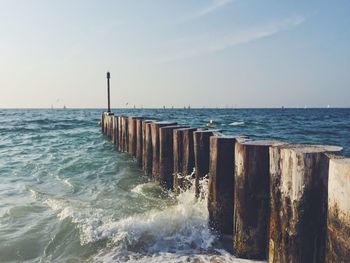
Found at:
(192, 47)
(214, 6)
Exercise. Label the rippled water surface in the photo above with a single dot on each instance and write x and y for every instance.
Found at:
(66, 195)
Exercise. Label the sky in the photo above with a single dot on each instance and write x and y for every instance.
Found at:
(203, 53)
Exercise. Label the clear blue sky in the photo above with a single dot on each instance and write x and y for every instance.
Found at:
(244, 53)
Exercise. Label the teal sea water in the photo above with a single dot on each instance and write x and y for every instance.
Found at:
(66, 195)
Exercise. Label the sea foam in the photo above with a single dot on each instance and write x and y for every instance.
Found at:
(177, 233)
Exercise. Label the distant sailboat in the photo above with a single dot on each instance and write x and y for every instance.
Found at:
(328, 106)
(64, 107)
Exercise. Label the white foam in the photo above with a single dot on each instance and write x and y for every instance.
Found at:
(237, 123)
(177, 233)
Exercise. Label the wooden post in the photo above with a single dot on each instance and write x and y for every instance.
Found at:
(120, 132)
(125, 132)
(155, 145)
(147, 148)
(166, 155)
(132, 131)
(106, 123)
(139, 141)
(338, 245)
(201, 141)
(298, 194)
(183, 156)
(131, 136)
(251, 199)
(221, 183)
(115, 130)
(109, 126)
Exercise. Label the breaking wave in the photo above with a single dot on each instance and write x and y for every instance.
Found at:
(177, 233)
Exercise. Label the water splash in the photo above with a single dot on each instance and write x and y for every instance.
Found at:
(175, 233)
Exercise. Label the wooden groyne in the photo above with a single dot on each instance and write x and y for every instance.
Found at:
(278, 201)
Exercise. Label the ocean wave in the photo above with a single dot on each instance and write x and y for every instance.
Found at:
(180, 229)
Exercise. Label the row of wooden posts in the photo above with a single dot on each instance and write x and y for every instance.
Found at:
(282, 202)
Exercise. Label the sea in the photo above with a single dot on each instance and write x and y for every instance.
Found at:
(67, 195)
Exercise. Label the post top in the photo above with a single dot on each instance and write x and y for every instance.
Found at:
(164, 123)
(310, 148)
(237, 138)
(208, 131)
(108, 75)
(173, 127)
(187, 129)
(264, 143)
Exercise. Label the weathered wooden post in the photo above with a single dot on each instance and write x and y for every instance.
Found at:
(115, 130)
(221, 183)
(166, 155)
(139, 141)
(178, 155)
(120, 132)
(109, 125)
(251, 199)
(132, 131)
(201, 141)
(112, 129)
(131, 136)
(155, 145)
(106, 124)
(338, 240)
(125, 134)
(147, 148)
(298, 194)
(183, 156)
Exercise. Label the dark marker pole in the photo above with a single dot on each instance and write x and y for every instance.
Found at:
(109, 102)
